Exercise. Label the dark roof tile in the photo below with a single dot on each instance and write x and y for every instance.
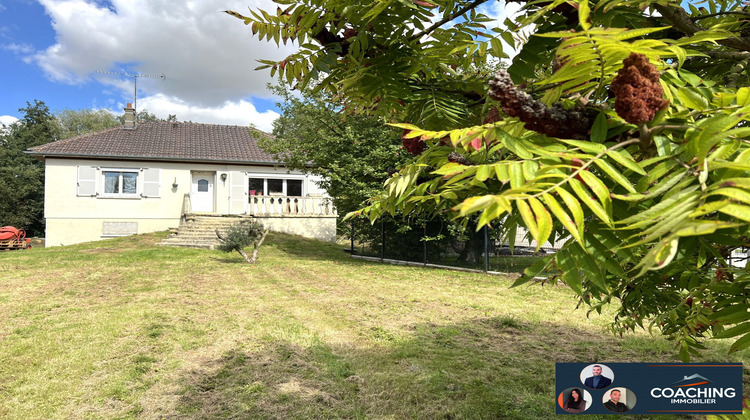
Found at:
(161, 140)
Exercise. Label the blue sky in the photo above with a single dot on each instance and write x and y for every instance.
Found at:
(52, 50)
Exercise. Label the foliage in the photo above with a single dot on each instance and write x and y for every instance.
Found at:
(145, 116)
(353, 154)
(652, 206)
(242, 235)
(21, 176)
(76, 122)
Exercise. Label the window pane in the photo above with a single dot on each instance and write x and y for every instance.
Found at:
(294, 187)
(275, 186)
(256, 186)
(129, 182)
(202, 185)
(111, 182)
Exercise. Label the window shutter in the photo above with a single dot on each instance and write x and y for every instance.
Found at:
(86, 181)
(237, 193)
(151, 182)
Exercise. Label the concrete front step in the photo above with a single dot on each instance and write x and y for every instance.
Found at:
(199, 231)
(190, 245)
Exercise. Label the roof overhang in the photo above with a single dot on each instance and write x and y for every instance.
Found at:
(42, 156)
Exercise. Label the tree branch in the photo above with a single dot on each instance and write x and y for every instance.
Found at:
(447, 19)
(679, 18)
(732, 55)
(720, 14)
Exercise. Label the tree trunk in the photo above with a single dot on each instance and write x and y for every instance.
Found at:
(256, 246)
(246, 257)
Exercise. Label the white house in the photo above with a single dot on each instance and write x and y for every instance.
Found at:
(147, 177)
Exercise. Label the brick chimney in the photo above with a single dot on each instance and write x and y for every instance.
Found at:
(129, 117)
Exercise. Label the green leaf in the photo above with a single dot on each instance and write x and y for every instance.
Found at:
(563, 217)
(704, 227)
(740, 344)
(474, 204)
(451, 168)
(598, 187)
(501, 169)
(599, 129)
(743, 96)
(574, 206)
(483, 172)
(659, 256)
(532, 271)
(586, 146)
(735, 193)
(732, 314)
(692, 99)
(516, 174)
(737, 211)
(513, 144)
(583, 14)
(590, 201)
(624, 159)
(734, 331)
(543, 222)
(663, 186)
(615, 175)
(571, 275)
(528, 218)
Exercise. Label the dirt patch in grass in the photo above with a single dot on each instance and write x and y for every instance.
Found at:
(475, 369)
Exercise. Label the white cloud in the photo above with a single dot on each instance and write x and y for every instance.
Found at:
(6, 120)
(207, 56)
(17, 48)
(240, 112)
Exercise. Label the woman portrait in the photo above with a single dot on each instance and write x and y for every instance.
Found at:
(575, 402)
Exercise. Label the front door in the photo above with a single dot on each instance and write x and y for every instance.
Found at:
(202, 193)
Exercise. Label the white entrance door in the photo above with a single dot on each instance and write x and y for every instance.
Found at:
(202, 193)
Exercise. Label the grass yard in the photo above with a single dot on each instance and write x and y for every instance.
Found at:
(127, 329)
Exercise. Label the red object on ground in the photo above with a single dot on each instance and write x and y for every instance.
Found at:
(12, 238)
(9, 232)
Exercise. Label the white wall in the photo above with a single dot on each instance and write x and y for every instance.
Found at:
(73, 219)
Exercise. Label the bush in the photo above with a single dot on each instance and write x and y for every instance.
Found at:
(241, 236)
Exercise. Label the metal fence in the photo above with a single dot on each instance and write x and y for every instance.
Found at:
(441, 242)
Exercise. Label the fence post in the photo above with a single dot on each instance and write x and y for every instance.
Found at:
(382, 240)
(352, 237)
(425, 243)
(486, 248)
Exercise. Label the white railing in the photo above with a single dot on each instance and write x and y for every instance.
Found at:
(266, 205)
(186, 206)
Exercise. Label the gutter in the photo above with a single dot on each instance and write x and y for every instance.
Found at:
(41, 156)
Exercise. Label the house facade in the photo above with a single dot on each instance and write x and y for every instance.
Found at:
(147, 177)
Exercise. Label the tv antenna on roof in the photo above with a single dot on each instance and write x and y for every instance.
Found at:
(135, 77)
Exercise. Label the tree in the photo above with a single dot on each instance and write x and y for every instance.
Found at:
(353, 154)
(620, 125)
(22, 176)
(241, 236)
(77, 122)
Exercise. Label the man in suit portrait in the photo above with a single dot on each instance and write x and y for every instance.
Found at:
(597, 381)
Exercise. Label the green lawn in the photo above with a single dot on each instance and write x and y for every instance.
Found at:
(127, 329)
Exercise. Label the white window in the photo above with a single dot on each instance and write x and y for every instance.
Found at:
(275, 186)
(118, 182)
